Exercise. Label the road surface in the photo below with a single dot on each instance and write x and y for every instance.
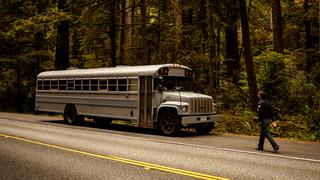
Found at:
(44, 147)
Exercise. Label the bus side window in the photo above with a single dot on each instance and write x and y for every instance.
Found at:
(94, 85)
(70, 85)
(85, 85)
(40, 85)
(122, 84)
(103, 84)
(54, 84)
(62, 84)
(112, 86)
(77, 85)
(133, 85)
(46, 85)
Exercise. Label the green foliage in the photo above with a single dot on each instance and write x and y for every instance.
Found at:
(238, 124)
(272, 76)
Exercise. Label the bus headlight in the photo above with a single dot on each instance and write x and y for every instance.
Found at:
(214, 108)
(184, 108)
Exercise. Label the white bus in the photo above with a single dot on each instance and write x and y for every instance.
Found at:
(150, 96)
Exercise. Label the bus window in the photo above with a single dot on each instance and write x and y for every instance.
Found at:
(62, 84)
(112, 86)
(54, 84)
(40, 85)
(94, 85)
(103, 84)
(122, 84)
(172, 83)
(46, 85)
(77, 84)
(133, 85)
(85, 85)
(70, 85)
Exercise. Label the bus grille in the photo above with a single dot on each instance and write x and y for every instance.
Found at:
(201, 106)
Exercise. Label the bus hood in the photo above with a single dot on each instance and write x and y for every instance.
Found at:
(185, 96)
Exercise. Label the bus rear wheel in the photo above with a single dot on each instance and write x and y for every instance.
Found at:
(169, 123)
(70, 115)
(204, 128)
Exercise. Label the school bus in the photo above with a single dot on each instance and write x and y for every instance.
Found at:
(150, 96)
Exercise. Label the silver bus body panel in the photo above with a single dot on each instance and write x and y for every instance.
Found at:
(140, 106)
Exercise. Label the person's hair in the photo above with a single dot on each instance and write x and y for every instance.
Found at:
(262, 95)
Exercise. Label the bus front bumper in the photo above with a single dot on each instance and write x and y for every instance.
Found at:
(189, 120)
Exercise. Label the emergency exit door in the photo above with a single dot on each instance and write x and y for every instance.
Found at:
(145, 102)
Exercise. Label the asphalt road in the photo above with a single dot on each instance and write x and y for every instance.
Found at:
(43, 147)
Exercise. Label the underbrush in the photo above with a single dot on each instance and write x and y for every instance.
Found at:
(288, 127)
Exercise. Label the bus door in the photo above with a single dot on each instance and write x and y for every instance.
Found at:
(145, 102)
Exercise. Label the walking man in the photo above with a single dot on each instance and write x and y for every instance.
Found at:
(265, 117)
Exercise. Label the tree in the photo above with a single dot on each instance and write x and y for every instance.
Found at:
(231, 35)
(145, 48)
(113, 33)
(62, 43)
(277, 26)
(130, 33)
(211, 45)
(251, 77)
(177, 15)
(203, 25)
(122, 30)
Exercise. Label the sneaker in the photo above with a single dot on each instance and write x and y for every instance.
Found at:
(275, 150)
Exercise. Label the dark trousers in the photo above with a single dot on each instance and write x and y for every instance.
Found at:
(265, 134)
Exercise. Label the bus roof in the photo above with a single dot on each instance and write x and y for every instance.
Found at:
(118, 71)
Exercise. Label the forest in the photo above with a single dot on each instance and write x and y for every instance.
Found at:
(235, 48)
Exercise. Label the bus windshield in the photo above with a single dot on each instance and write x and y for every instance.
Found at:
(174, 83)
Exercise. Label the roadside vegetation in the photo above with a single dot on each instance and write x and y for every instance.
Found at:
(235, 48)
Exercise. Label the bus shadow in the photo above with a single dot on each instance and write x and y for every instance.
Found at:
(94, 126)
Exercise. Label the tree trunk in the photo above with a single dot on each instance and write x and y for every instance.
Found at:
(277, 26)
(112, 34)
(213, 66)
(62, 42)
(122, 30)
(232, 55)
(177, 13)
(129, 34)
(203, 24)
(251, 77)
(145, 49)
(309, 44)
(231, 31)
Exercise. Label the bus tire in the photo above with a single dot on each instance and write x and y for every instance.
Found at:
(70, 115)
(169, 123)
(204, 128)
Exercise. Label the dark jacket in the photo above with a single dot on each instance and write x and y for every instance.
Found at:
(265, 110)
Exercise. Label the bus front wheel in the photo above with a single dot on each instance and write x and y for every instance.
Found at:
(70, 115)
(169, 123)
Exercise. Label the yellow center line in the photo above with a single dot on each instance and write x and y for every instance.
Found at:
(123, 160)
